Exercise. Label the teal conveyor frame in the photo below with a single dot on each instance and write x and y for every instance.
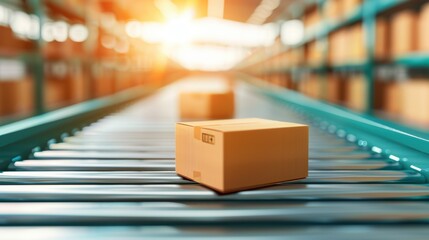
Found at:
(20, 139)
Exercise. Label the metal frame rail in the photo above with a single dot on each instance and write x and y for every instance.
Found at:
(396, 142)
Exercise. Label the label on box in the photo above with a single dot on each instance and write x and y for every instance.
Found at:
(208, 138)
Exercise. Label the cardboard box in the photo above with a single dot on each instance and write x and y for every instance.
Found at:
(387, 96)
(55, 94)
(382, 41)
(404, 33)
(312, 19)
(313, 86)
(349, 6)
(415, 96)
(288, 82)
(103, 81)
(356, 93)
(335, 89)
(333, 9)
(423, 41)
(314, 55)
(75, 89)
(206, 105)
(357, 53)
(340, 53)
(16, 96)
(11, 45)
(237, 154)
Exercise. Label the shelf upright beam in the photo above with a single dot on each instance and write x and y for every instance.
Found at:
(37, 62)
(296, 11)
(369, 25)
(324, 41)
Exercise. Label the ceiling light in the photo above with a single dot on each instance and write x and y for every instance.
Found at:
(78, 33)
(132, 28)
(292, 32)
(60, 31)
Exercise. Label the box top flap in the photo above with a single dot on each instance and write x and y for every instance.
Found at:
(218, 122)
(252, 126)
(233, 125)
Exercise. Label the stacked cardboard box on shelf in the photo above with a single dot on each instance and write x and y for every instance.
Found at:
(292, 57)
(313, 53)
(311, 19)
(332, 10)
(404, 33)
(423, 38)
(382, 39)
(56, 78)
(123, 81)
(75, 85)
(275, 63)
(16, 96)
(347, 45)
(348, 6)
(311, 86)
(392, 98)
(288, 82)
(11, 45)
(103, 81)
(64, 84)
(414, 101)
(335, 89)
(75, 2)
(336, 54)
(387, 96)
(406, 99)
(337, 9)
(62, 50)
(356, 92)
(277, 79)
(357, 40)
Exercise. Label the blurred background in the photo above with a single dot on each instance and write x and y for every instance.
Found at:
(369, 56)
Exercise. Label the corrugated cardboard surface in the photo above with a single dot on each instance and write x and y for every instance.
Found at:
(198, 160)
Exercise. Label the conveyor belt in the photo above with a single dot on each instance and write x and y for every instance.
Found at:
(115, 179)
(168, 165)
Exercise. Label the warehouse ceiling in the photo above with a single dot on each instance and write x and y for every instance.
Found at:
(191, 30)
(150, 10)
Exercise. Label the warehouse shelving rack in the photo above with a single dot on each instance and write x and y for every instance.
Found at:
(19, 137)
(35, 60)
(366, 14)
